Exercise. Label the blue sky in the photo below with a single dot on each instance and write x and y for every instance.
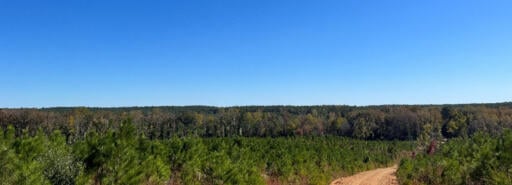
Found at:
(254, 52)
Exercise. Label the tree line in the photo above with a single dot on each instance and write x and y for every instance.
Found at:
(402, 122)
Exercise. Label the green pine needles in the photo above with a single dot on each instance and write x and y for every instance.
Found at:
(122, 156)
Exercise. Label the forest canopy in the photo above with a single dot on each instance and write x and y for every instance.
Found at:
(388, 122)
(252, 144)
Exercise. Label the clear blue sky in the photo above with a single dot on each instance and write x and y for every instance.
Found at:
(254, 52)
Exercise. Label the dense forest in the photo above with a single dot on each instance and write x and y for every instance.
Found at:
(372, 122)
(254, 144)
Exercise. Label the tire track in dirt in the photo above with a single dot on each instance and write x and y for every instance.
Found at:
(380, 176)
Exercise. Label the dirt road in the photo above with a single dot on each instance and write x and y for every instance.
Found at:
(381, 176)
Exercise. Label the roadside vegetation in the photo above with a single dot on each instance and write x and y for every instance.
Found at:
(125, 157)
(481, 159)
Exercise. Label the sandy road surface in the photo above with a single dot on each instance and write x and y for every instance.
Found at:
(381, 176)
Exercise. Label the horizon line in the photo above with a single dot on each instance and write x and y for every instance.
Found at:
(254, 105)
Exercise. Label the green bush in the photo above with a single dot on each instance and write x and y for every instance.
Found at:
(481, 159)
